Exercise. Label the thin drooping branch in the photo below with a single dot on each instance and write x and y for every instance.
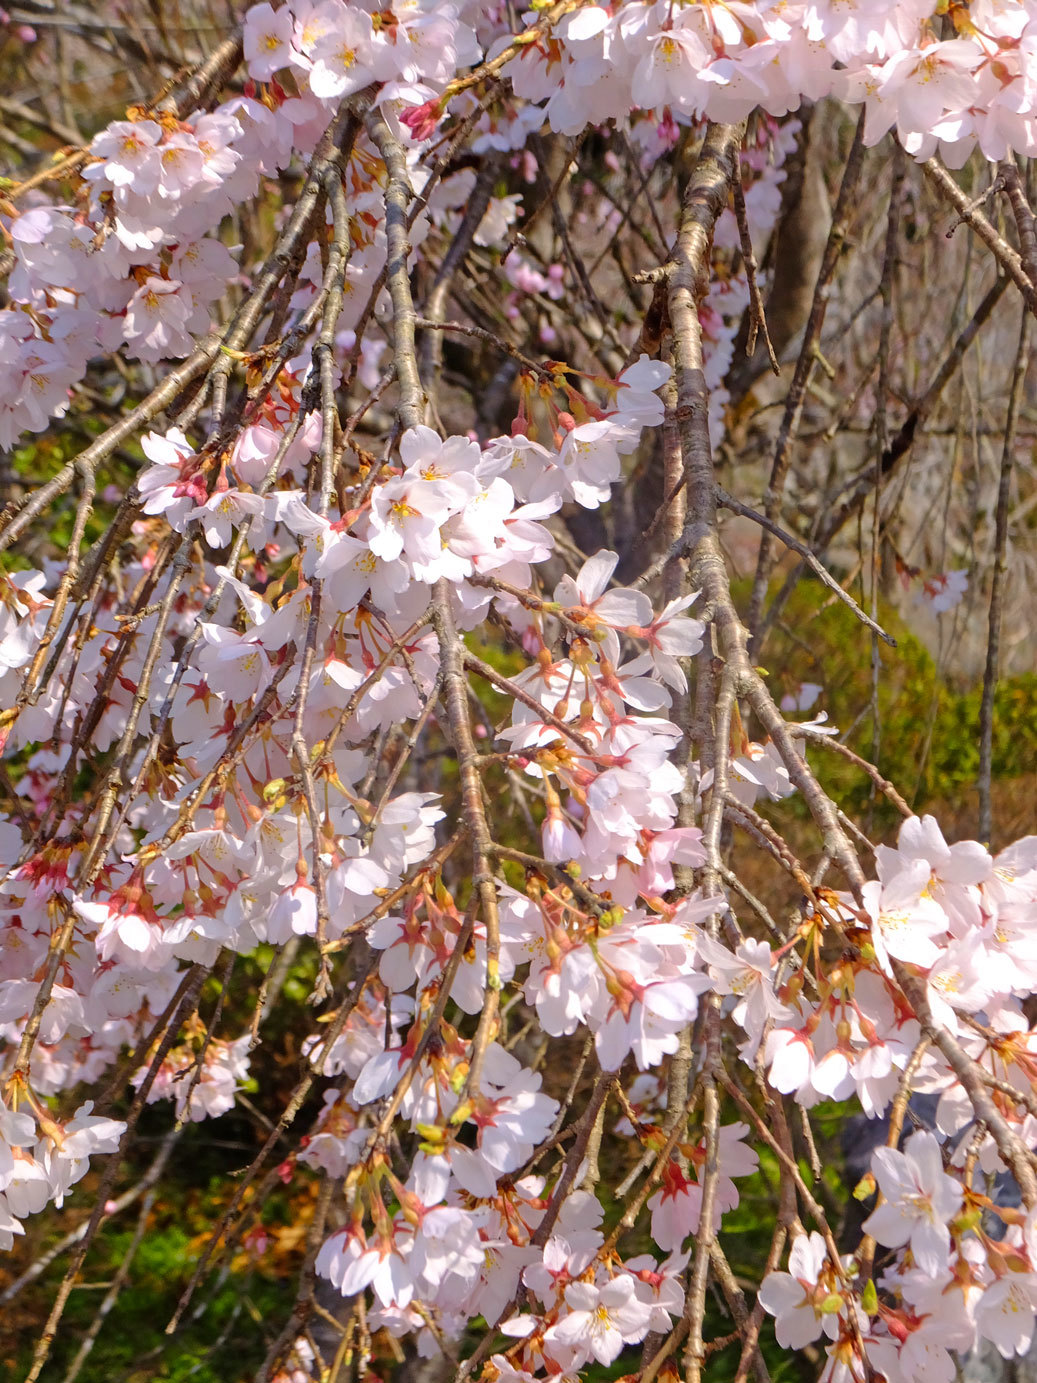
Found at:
(114, 1207)
(1008, 258)
(886, 285)
(398, 197)
(1009, 1144)
(757, 312)
(796, 396)
(484, 883)
(817, 567)
(687, 283)
(451, 648)
(984, 827)
(688, 277)
(340, 779)
(190, 989)
(87, 461)
(1008, 171)
(435, 305)
(899, 447)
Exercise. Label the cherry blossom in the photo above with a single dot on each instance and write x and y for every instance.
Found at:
(795, 1297)
(330, 621)
(919, 1200)
(601, 1320)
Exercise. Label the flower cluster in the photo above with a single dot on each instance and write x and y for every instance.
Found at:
(270, 693)
(950, 93)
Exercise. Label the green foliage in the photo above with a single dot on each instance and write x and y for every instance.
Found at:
(224, 1335)
(929, 732)
(40, 460)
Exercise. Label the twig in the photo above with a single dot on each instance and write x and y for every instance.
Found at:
(817, 567)
(757, 313)
(1009, 259)
(804, 366)
(984, 827)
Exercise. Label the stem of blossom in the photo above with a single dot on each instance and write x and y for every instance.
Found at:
(532, 602)
(428, 867)
(209, 76)
(301, 754)
(334, 279)
(650, 1369)
(505, 684)
(592, 902)
(417, 206)
(687, 282)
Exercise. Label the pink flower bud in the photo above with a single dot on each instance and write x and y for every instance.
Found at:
(422, 120)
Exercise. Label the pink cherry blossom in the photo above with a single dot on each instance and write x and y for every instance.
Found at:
(919, 1200)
